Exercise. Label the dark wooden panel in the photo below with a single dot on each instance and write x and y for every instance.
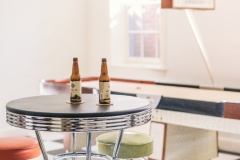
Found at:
(191, 106)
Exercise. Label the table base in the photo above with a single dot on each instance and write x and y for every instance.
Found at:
(74, 154)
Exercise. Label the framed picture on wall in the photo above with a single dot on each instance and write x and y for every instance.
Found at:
(189, 4)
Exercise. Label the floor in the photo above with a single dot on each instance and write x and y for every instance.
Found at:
(54, 145)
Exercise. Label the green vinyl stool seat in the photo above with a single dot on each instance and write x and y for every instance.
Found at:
(133, 145)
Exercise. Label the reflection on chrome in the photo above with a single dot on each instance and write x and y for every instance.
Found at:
(79, 124)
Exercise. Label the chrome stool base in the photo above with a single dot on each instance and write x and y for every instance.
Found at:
(80, 155)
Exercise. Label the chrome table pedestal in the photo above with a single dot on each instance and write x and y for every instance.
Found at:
(51, 113)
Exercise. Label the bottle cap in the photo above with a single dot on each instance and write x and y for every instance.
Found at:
(104, 59)
(75, 58)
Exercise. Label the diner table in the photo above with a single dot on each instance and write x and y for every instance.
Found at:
(54, 113)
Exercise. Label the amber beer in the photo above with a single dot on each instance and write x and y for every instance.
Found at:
(75, 83)
(104, 84)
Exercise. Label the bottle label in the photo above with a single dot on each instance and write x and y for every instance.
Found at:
(75, 89)
(104, 90)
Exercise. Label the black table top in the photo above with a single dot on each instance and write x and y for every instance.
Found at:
(56, 106)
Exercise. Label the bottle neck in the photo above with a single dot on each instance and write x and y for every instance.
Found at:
(75, 69)
(104, 70)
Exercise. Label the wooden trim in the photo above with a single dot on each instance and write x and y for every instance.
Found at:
(65, 81)
(86, 79)
(217, 135)
(132, 81)
(232, 89)
(60, 81)
(164, 139)
(178, 85)
(232, 110)
(167, 4)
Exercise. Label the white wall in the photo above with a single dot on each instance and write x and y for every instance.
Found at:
(220, 33)
(39, 38)
(37, 41)
(98, 38)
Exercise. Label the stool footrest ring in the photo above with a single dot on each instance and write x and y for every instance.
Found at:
(80, 154)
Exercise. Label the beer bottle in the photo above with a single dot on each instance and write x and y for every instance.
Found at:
(75, 83)
(104, 84)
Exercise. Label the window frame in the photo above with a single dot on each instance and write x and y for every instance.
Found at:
(147, 62)
(143, 62)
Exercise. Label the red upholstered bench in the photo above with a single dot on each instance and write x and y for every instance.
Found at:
(18, 148)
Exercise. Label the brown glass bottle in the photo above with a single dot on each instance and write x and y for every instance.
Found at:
(104, 84)
(75, 83)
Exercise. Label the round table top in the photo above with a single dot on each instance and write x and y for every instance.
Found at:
(56, 106)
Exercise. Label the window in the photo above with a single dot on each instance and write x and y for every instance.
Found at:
(144, 29)
(136, 33)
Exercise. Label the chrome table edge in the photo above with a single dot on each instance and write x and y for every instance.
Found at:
(91, 124)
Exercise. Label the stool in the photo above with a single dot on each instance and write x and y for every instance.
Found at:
(133, 145)
(18, 148)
